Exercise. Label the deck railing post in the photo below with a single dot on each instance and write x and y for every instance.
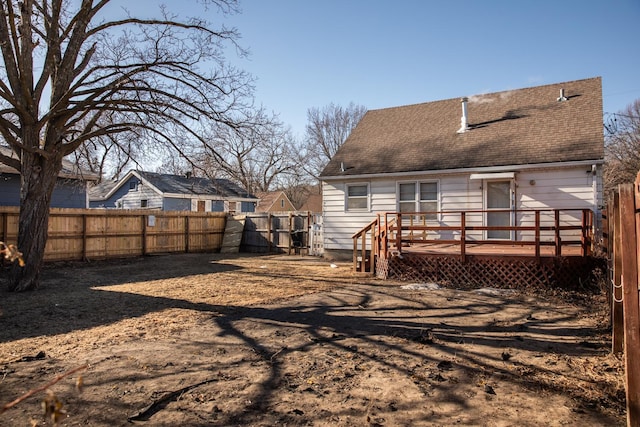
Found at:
(363, 254)
(387, 234)
(463, 236)
(558, 240)
(355, 254)
(537, 234)
(399, 232)
(372, 252)
(584, 239)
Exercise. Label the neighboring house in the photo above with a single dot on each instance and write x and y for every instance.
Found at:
(313, 203)
(532, 148)
(147, 190)
(274, 201)
(70, 191)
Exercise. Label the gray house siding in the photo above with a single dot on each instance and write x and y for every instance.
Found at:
(112, 201)
(173, 204)
(68, 193)
(134, 199)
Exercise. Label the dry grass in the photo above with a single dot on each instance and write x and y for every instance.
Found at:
(272, 340)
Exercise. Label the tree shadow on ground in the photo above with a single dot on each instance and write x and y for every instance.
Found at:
(276, 363)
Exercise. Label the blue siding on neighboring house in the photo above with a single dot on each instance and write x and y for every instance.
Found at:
(9, 189)
(172, 204)
(68, 193)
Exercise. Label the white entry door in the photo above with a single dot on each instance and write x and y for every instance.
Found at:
(499, 205)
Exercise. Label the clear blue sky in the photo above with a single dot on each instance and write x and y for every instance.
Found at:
(309, 53)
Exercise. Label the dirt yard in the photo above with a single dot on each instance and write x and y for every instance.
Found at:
(213, 340)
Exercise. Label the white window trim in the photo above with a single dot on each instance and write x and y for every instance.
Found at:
(346, 197)
(417, 195)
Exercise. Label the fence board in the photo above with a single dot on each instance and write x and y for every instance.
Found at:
(630, 230)
(617, 312)
(271, 232)
(79, 234)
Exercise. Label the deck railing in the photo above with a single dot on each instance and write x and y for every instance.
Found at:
(392, 232)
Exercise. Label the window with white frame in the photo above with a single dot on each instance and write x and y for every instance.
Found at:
(357, 197)
(418, 197)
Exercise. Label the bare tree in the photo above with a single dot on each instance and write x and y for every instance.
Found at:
(622, 147)
(326, 131)
(109, 156)
(258, 158)
(71, 73)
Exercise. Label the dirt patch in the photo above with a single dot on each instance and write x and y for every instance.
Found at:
(202, 339)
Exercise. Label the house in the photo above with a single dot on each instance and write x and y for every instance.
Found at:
(70, 191)
(532, 148)
(148, 190)
(274, 201)
(313, 203)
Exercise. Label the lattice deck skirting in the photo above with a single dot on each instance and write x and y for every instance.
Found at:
(480, 271)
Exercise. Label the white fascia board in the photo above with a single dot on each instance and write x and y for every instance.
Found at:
(488, 169)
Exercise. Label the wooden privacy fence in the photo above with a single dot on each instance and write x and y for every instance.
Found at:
(621, 225)
(83, 234)
(283, 232)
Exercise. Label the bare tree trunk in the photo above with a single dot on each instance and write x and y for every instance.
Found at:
(39, 177)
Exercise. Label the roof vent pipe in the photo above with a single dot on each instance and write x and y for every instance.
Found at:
(464, 123)
(562, 97)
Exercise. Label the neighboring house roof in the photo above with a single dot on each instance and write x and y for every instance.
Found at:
(176, 185)
(69, 169)
(517, 127)
(269, 198)
(313, 203)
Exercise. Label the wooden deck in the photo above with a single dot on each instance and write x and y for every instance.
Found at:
(554, 251)
(512, 249)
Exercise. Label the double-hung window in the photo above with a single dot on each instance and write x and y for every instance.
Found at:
(419, 197)
(357, 197)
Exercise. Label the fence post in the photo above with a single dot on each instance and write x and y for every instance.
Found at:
(290, 229)
(629, 225)
(617, 314)
(84, 237)
(144, 234)
(186, 234)
(269, 236)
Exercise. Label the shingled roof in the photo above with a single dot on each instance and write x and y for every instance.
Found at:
(517, 127)
(181, 184)
(168, 184)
